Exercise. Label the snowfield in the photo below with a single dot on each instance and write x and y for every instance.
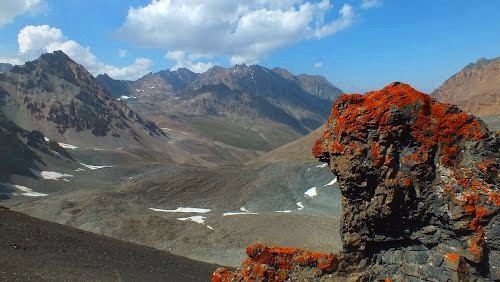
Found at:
(25, 190)
(94, 167)
(183, 210)
(237, 213)
(332, 182)
(311, 193)
(50, 175)
(197, 218)
(68, 146)
(243, 211)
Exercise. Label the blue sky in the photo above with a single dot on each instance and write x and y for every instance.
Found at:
(358, 45)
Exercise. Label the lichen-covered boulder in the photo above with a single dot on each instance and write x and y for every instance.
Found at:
(419, 182)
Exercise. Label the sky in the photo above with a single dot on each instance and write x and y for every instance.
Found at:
(358, 45)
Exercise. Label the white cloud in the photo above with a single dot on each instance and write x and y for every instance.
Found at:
(368, 4)
(244, 31)
(13, 8)
(318, 65)
(35, 40)
(345, 20)
(122, 53)
(183, 61)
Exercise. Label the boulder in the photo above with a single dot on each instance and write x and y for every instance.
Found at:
(419, 182)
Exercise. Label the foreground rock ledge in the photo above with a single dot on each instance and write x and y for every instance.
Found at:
(419, 182)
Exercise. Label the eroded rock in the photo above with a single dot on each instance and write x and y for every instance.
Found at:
(419, 182)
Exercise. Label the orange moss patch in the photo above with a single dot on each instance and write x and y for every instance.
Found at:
(266, 263)
(433, 124)
(488, 166)
(452, 257)
(288, 258)
(495, 198)
(407, 182)
(376, 157)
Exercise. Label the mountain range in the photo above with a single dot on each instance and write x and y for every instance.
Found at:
(241, 93)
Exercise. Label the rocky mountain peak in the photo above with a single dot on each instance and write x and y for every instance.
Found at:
(4, 67)
(65, 99)
(60, 65)
(419, 182)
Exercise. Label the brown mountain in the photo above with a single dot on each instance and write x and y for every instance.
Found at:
(475, 89)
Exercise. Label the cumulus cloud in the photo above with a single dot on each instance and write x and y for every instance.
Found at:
(318, 64)
(183, 61)
(368, 4)
(12, 8)
(244, 31)
(35, 40)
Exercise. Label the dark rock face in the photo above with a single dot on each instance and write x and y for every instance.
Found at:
(21, 149)
(419, 182)
(116, 88)
(4, 67)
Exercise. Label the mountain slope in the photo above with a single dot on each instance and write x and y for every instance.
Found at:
(60, 98)
(265, 94)
(475, 89)
(4, 67)
(298, 150)
(22, 151)
(247, 96)
(33, 249)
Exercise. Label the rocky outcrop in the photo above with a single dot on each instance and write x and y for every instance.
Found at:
(419, 182)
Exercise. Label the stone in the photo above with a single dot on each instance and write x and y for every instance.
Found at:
(419, 182)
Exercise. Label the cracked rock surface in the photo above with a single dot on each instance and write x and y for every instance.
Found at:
(419, 182)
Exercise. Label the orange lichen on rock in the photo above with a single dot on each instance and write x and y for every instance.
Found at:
(431, 123)
(266, 263)
(413, 172)
(452, 257)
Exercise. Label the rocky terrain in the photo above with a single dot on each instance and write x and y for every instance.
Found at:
(22, 151)
(419, 183)
(35, 250)
(4, 67)
(255, 98)
(475, 90)
(230, 207)
(60, 98)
